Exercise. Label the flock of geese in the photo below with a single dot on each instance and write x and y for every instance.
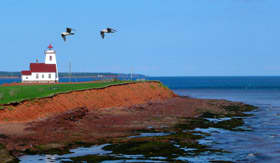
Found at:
(69, 32)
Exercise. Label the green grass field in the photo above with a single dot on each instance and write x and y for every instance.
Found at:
(14, 94)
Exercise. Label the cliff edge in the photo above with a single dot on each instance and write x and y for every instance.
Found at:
(114, 96)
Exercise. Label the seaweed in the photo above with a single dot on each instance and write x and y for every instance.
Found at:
(146, 148)
(6, 156)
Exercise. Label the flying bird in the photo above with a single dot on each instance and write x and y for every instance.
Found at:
(67, 33)
(107, 30)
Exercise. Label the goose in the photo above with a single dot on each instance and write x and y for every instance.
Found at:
(67, 33)
(107, 30)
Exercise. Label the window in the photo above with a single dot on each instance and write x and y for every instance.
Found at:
(37, 76)
(50, 58)
(42, 76)
(50, 75)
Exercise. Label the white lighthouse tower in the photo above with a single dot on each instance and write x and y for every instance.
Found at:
(51, 58)
(50, 55)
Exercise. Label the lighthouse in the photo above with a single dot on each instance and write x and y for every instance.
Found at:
(42, 72)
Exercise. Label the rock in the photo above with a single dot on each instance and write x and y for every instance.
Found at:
(76, 114)
(5, 156)
(251, 155)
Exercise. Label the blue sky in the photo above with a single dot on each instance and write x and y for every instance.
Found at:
(155, 37)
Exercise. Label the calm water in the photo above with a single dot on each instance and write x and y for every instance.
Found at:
(262, 144)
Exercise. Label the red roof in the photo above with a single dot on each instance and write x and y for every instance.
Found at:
(26, 72)
(50, 46)
(42, 67)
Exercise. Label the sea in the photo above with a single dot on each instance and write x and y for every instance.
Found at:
(260, 144)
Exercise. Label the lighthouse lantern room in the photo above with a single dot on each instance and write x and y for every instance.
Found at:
(42, 72)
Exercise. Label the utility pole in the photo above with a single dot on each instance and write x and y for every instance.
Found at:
(131, 74)
(70, 72)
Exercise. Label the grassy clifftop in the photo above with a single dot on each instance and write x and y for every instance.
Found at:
(18, 93)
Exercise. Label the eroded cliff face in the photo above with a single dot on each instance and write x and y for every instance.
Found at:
(114, 96)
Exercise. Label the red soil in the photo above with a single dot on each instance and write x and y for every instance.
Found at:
(101, 125)
(115, 96)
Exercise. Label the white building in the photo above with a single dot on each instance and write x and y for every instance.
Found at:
(42, 72)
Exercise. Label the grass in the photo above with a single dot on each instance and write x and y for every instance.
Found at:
(19, 93)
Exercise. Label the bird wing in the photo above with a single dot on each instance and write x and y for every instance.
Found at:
(110, 30)
(102, 34)
(113, 30)
(68, 30)
(63, 36)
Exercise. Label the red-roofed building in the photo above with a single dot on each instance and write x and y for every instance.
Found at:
(42, 72)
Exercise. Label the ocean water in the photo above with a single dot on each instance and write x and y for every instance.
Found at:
(261, 144)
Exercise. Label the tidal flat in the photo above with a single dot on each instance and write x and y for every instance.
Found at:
(175, 143)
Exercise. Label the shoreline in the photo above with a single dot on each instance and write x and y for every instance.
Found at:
(114, 124)
(9, 77)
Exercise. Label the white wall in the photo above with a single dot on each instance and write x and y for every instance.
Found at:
(50, 53)
(33, 77)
